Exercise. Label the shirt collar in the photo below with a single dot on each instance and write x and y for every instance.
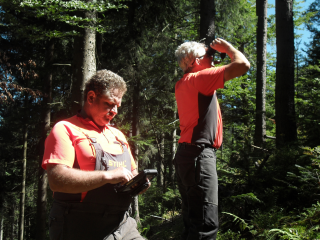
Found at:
(90, 122)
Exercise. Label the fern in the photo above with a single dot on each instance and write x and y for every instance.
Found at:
(246, 197)
(288, 235)
(242, 224)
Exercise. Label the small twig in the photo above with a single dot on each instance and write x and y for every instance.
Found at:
(158, 217)
(173, 121)
(265, 136)
(260, 148)
(61, 64)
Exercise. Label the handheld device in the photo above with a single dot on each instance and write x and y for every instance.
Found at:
(138, 183)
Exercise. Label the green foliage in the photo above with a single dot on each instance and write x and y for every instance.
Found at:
(248, 197)
(277, 224)
(263, 194)
(242, 224)
(229, 235)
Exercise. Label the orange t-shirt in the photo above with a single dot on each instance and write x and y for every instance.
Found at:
(67, 141)
(198, 107)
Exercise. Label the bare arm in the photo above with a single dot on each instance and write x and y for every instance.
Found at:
(68, 180)
(239, 64)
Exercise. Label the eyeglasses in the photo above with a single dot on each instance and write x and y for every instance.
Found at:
(199, 58)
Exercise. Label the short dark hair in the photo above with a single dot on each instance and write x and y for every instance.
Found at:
(104, 80)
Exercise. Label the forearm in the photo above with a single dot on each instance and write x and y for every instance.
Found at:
(239, 64)
(69, 180)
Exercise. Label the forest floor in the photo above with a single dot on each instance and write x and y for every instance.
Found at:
(170, 229)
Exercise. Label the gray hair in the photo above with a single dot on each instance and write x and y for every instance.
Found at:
(187, 52)
(104, 80)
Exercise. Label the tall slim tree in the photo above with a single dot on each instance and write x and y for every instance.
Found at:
(24, 173)
(207, 20)
(42, 174)
(260, 128)
(84, 59)
(286, 129)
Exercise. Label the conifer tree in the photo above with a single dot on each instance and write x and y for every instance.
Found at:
(286, 129)
(260, 128)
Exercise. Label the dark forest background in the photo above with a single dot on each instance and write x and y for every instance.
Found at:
(268, 166)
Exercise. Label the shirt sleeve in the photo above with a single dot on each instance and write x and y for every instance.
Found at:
(58, 147)
(208, 80)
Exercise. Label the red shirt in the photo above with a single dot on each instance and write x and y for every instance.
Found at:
(67, 140)
(198, 107)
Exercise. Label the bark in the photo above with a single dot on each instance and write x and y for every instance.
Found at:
(24, 168)
(84, 62)
(163, 168)
(136, 132)
(1, 222)
(160, 165)
(207, 20)
(23, 182)
(286, 129)
(42, 174)
(260, 128)
(99, 43)
(136, 102)
(173, 150)
(12, 216)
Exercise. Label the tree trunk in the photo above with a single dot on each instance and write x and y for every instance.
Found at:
(23, 182)
(207, 20)
(286, 129)
(136, 103)
(173, 150)
(160, 165)
(42, 174)
(84, 62)
(12, 216)
(163, 165)
(136, 132)
(260, 128)
(1, 222)
(99, 43)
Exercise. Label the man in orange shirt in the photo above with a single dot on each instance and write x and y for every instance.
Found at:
(201, 132)
(84, 158)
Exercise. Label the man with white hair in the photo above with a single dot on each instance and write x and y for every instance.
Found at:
(201, 132)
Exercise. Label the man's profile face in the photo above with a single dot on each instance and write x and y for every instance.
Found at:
(105, 107)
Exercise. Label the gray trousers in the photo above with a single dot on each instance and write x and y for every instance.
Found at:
(198, 185)
(81, 221)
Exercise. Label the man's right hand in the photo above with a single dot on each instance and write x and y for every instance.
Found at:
(119, 175)
(239, 64)
(220, 45)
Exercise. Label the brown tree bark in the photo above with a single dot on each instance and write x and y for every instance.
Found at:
(42, 174)
(207, 20)
(173, 150)
(84, 62)
(286, 129)
(136, 98)
(23, 180)
(1, 222)
(136, 132)
(260, 128)
(12, 216)
(162, 167)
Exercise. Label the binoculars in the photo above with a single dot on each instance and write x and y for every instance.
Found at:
(211, 52)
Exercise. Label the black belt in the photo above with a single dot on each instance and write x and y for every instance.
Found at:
(193, 145)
